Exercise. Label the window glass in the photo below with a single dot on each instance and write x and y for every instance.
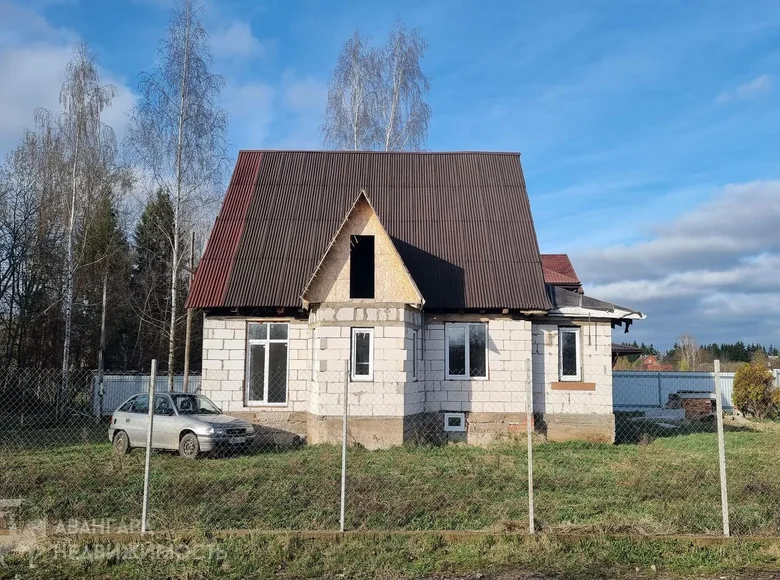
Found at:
(162, 405)
(141, 404)
(258, 331)
(456, 348)
(361, 266)
(266, 366)
(362, 355)
(277, 371)
(256, 377)
(128, 406)
(569, 357)
(477, 344)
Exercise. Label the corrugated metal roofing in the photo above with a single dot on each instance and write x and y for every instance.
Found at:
(460, 221)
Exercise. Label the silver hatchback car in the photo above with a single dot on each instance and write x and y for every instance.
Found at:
(191, 424)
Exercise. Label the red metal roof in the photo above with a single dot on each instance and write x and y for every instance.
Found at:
(558, 270)
(460, 221)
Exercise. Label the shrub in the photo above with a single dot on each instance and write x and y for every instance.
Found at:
(753, 391)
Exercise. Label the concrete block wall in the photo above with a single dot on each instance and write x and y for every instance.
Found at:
(224, 365)
(509, 361)
(596, 367)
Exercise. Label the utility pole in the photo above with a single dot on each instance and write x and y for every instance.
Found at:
(188, 332)
(102, 351)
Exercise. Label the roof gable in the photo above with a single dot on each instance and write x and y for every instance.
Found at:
(392, 281)
(461, 223)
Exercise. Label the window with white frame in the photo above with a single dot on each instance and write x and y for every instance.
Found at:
(569, 353)
(415, 354)
(362, 354)
(266, 367)
(466, 350)
(314, 356)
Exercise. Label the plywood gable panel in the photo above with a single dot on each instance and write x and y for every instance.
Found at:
(392, 282)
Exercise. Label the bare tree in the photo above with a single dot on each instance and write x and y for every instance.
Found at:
(178, 134)
(88, 147)
(689, 352)
(376, 95)
(403, 113)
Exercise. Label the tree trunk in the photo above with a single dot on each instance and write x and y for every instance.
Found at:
(188, 331)
(177, 205)
(102, 351)
(69, 275)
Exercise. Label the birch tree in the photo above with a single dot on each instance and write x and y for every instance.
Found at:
(376, 96)
(178, 135)
(88, 149)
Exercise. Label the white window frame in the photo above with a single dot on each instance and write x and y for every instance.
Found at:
(458, 429)
(575, 330)
(353, 353)
(314, 354)
(247, 368)
(466, 372)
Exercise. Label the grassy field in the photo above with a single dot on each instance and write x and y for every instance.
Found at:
(664, 485)
(399, 556)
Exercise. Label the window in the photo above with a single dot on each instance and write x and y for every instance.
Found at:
(362, 354)
(569, 353)
(314, 354)
(266, 369)
(127, 407)
(454, 422)
(361, 266)
(141, 404)
(414, 354)
(162, 405)
(466, 350)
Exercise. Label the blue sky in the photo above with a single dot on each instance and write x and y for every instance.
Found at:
(648, 130)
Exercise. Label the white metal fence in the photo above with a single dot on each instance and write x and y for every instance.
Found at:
(117, 388)
(643, 390)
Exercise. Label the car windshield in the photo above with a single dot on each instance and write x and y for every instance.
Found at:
(194, 405)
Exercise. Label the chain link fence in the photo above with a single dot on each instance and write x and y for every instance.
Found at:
(415, 450)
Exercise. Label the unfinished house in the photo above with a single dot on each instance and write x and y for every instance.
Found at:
(412, 281)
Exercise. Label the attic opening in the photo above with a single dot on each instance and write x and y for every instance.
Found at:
(361, 266)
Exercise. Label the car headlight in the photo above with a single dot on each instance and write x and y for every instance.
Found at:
(214, 431)
(250, 430)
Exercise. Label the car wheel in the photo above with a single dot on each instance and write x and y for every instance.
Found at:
(121, 443)
(188, 446)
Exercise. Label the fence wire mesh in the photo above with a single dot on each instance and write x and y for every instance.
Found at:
(433, 447)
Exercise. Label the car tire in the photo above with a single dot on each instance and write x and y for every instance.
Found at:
(189, 446)
(121, 443)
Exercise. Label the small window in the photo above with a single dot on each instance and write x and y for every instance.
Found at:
(361, 266)
(466, 350)
(362, 354)
(455, 422)
(415, 354)
(314, 357)
(569, 353)
(266, 371)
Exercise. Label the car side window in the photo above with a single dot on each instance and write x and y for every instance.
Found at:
(128, 406)
(141, 404)
(162, 405)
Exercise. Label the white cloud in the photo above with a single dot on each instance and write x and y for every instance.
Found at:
(236, 41)
(33, 55)
(251, 109)
(746, 91)
(306, 95)
(712, 271)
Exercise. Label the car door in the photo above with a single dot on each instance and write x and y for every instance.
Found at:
(137, 420)
(165, 432)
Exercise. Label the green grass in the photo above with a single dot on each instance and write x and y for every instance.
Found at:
(395, 557)
(664, 485)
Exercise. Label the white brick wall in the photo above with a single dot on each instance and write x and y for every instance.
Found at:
(514, 347)
(596, 367)
(509, 359)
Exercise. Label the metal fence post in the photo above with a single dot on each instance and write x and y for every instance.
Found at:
(344, 448)
(724, 496)
(529, 414)
(145, 509)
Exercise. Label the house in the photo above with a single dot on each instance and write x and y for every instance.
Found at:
(412, 279)
(650, 362)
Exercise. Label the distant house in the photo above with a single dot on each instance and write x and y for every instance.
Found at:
(650, 362)
(420, 273)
